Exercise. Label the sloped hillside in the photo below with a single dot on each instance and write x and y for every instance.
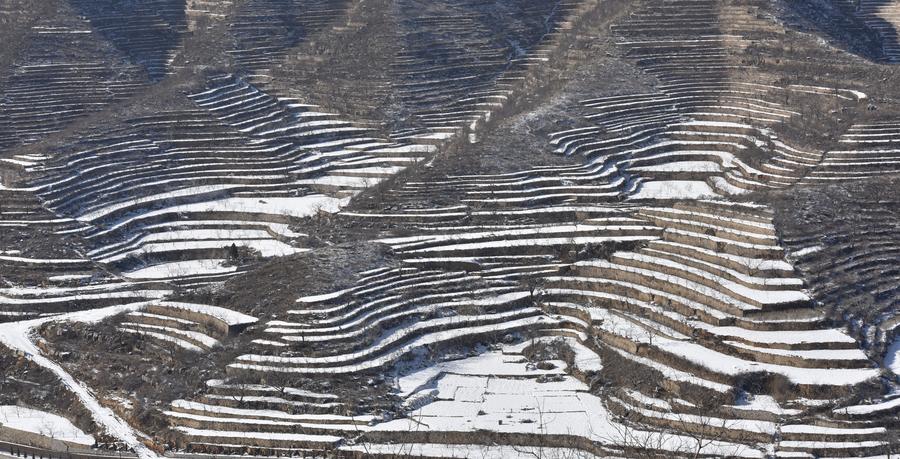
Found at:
(403, 228)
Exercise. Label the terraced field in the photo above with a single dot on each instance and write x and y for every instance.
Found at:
(401, 228)
(884, 18)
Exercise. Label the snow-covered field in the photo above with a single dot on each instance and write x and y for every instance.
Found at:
(42, 423)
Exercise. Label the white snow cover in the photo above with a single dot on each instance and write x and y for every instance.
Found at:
(42, 423)
(585, 359)
(218, 383)
(761, 296)
(729, 365)
(180, 268)
(892, 357)
(94, 215)
(763, 403)
(17, 336)
(68, 277)
(184, 344)
(807, 250)
(194, 336)
(829, 335)
(225, 315)
(275, 363)
(285, 437)
(266, 247)
(804, 428)
(870, 408)
(464, 451)
(486, 364)
(267, 414)
(755, 263)
(674, 189)
(45, 261)
(681, 166)
(323, 297)
(513, 401)
(302, 206)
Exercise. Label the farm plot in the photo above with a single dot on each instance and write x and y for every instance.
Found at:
(864, 152)
(171, 196)
(704, 132)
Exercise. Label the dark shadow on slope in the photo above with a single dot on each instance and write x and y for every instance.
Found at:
(455, 51)
(890, 38)
(516, 25)
(264, 30)
(60, 74)
(147, 31)
(835, 21)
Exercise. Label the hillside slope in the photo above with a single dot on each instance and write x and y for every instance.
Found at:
(401, 228)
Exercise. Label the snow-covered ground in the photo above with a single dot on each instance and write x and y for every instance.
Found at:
(499, 392)
(178, 269)
(18, 337)
(674, 189)
(695, 303)
(42, 423)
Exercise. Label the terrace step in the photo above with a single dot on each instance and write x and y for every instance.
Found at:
(193, 327)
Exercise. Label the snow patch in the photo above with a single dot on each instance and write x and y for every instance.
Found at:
(42, 423)
(674, 189)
